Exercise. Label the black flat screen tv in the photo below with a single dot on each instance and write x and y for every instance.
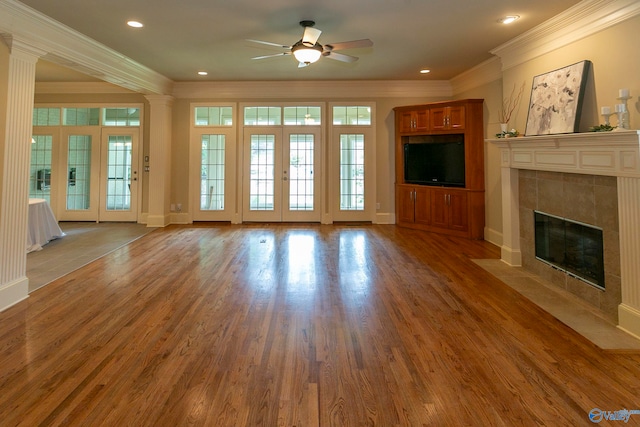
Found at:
(439, 161)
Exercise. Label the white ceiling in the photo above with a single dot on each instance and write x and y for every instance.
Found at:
(181, 38)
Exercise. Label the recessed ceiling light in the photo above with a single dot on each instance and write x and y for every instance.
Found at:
(202, 73)
(425, 71)
(135, 24)
(508, 19)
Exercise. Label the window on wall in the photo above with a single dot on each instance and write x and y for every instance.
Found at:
(213, 116)
(302, 116)
(263, 116)
(46, 117)
(121, 116)
(359, 115)
(81, 116)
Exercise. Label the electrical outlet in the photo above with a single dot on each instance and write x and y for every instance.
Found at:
(377, 205)
(179, 207)
(172, 208)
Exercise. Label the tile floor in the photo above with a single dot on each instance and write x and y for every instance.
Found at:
(565, 307)
(83, 243)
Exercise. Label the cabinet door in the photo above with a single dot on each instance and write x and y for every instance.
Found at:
(422, 205)
(438, 118)
(406, 122)
(439, 207)
(456, 117)
(449, 209)
(458, 211)
(405, 203)
(447, 118)
(421, 120)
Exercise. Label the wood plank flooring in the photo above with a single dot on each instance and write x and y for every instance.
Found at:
(299, 325)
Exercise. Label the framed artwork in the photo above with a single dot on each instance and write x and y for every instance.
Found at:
(556, 100)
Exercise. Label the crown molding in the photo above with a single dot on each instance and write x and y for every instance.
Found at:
(483, 73)
(584, 19)
(74, 50)
(312, 89)
(78, 88)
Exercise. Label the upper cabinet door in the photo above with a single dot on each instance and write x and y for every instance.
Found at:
(447, 118)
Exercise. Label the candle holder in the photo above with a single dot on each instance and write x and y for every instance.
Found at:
(623, 114)
(606, 118)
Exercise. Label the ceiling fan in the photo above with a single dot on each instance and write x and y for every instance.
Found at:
(307, 50)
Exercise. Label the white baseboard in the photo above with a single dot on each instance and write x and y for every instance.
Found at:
(493, 236)
(385, 218)
(14, 292)
(629, 320)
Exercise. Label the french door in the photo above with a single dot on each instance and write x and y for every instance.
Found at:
(100, 181)
(282, 174)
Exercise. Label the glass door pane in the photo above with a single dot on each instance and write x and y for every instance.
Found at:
(262, 166)
(301, 182)
(79, 156)
(301, 165)
(263, 177)
(118, 194)
(212, 173)
(118, 175)
(40, 171)
(352, 172)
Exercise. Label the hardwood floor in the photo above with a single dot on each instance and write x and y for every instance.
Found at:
(299, 325)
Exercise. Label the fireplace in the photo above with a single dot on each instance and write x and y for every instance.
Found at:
(607, 164)
(571, 246)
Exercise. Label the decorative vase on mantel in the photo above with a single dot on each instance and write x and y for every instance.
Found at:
(504, 127)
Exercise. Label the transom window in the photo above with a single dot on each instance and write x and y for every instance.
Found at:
(302, 116)
(121, 117)
(81, 116)
(213, 116)
(86, 116)
(46, 117)
(359, 115)
(263, 116)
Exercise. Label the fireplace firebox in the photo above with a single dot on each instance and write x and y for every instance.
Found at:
(573, 247)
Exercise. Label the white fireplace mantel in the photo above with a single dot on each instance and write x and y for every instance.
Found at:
(614, 153)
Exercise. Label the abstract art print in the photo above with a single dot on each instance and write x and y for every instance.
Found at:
(556, 100)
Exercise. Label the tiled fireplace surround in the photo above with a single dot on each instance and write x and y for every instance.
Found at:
(590, 199)
(588, 177)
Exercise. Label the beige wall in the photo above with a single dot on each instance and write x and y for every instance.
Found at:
(492, 95)
(615, 65)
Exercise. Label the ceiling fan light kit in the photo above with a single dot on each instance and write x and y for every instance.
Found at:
(306, 54)
(307, 50)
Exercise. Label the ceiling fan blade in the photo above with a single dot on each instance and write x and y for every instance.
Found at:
(269, 43)
(303, 64)
(272, 56)
(353, 44)
(310, 36)
(340, 56)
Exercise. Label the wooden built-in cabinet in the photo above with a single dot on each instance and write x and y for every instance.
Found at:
(412, 121)
(446, 118)
(455, 210)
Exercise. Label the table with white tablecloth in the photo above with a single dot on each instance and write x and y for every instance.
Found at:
(42, 225)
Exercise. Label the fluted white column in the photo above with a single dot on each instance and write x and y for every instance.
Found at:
(159, 175)
(629, 218)
(14, 186)
(510, 250)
